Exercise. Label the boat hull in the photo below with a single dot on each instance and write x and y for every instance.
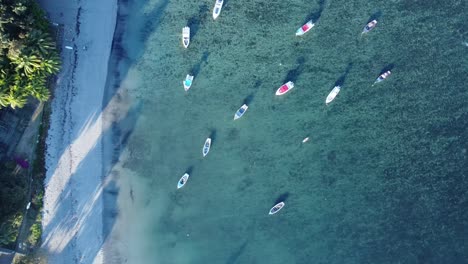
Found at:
(186, 37)
(383, 76)
(331, 96)
(240, 112)
(206, 147)
(275, 209)
(183, 180)
(187, 82)
(371, 25)
(305, 28)
(285, 88)
(217, 9)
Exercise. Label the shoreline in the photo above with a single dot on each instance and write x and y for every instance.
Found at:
(74, 186)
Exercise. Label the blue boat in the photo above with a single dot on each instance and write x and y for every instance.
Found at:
(240, 112)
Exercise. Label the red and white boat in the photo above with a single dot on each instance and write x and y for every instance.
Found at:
(305, 28)
(285, 88)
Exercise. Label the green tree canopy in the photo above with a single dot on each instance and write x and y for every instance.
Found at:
(28, 54)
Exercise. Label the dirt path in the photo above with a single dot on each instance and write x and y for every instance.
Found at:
(26, 149)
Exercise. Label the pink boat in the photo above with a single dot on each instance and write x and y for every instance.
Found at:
(285, 88)
(305, 28)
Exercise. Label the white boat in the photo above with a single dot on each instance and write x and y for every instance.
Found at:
(206, 147)
(241, 111)
(305, 140)
(188, 82)
(382, 77)
(186, 36)
(285, 88)
(183, 180)
(276, 208)
(305, 28)
(371, 25)
(217, 8)
(331, 96)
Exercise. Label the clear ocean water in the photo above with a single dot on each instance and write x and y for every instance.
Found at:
(383, 178)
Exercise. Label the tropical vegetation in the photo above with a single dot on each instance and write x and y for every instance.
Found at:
(28, 54)
(28, 58)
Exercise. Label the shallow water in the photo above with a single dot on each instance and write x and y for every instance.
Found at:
(383, 177)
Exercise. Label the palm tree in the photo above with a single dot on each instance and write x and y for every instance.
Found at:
(29, 64)
(50, 66)
(40, 42)
(13, 100)
(37, 88)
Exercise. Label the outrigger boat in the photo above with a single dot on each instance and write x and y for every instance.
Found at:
(285, 88)
(331, 96)
(371, 25)
(183, 180)
(217, 8)
(241, 111)
(188, 82)
(206, 147)
(305, 28)
(276, 208)
(186, 36)
(382, 77)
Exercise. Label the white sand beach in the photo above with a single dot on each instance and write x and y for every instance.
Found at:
(73, 204)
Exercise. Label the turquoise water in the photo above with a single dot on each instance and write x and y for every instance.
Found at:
(383, 178)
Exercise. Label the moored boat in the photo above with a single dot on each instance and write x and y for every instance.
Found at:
(217, 8)
(276, 208)
(183, 180)
(382, 77)
(285, 88)
(305, 140)
(305, 28)
(186, 36)
(371, 25)
(188, 82)
(331, 96)
(206, 147)
(241, 111)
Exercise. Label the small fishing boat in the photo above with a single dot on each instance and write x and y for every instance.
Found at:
(186, 36)
(241, 111)
(206, 147)
(331, 96)
(305, 140)
(183, 180)
(382, 77)
(305, 28)
(371, 25)
(276, 208)
(188, 82)
(217, 8)
(285, 88)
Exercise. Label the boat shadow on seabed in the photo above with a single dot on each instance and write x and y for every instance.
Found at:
(282, 198)
(197, 67)
(195, 21)
(342, 78)
(315, 16)
(294, 74)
